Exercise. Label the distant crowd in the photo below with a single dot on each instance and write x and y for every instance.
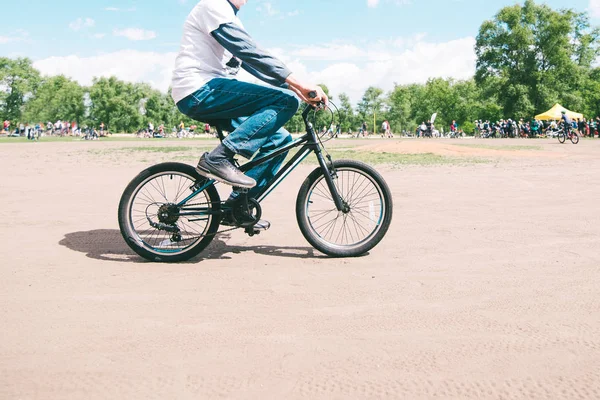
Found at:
(505, 128)
(534, 128)
(179, 131)
(58, 128)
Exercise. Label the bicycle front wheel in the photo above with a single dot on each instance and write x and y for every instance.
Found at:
(562, 137)
(355, 232)
(574, 138)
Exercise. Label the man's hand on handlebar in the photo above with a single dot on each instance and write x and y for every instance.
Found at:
(311, 94)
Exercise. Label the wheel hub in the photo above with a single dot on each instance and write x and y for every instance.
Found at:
(345, 208)
(168, 214)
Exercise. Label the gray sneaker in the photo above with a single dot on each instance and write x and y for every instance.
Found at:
(225, 172)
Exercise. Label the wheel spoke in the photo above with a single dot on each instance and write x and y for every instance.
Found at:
(363, 196)
(169, 188)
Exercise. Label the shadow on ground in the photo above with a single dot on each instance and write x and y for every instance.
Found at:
(108, 245)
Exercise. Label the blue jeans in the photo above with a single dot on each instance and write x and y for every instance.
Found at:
(253, 114)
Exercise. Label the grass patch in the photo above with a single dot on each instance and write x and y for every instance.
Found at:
(189, 154)
(173, 149)
(422, 159)
(55, 139)
(153, 150)
(501, 147)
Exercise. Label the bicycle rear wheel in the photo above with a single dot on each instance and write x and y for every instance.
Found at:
(334, 232)
(562, 137)
(152, 223)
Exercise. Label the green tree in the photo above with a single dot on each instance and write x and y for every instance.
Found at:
(18, 82)
(117, 104)
(346, 113)
(56, 98)
(371, 107)
(534, 56)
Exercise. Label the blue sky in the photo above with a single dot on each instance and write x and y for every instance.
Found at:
(345, 44)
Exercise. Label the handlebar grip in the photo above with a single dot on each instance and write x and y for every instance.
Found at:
(312, 95)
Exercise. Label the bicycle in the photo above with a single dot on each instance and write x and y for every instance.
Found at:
(170, 213)
(573, 136)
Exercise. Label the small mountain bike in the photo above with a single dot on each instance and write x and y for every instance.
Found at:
(170, 213)
(573, 136)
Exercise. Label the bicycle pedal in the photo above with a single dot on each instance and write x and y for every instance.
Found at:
(252, 232)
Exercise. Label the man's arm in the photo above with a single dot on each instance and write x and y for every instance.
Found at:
(263, 77)
(260, 63)
(263, 65)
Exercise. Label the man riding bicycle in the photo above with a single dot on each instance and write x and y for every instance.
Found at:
(214, 47)
(566, 121)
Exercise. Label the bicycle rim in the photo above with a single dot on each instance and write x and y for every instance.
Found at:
(360, 224)
(575, 138)
(159, 191)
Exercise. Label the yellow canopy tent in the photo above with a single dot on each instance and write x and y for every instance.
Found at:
(556, 112)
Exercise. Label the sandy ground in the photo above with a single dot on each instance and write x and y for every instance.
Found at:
(486, 287)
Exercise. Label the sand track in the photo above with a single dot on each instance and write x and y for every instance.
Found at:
(485, 287)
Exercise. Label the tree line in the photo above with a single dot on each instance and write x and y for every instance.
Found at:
(529, 57)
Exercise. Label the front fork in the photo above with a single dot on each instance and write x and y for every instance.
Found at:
(330, 174)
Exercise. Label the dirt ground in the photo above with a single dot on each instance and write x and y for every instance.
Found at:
(486, 286)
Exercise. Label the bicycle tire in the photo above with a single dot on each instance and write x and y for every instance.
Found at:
(562, 137)
(133, 238)
(305, 222)
(574, 138)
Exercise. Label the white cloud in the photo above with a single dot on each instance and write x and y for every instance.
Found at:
(80, 23)
(8, 39)
(594, 8)
(135, 34)
(346, 68)
(18, 36)
(375, 3)
(117, 9)
(129, 65)
(269, 9)
(352, 69)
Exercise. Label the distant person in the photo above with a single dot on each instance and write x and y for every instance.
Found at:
(580, 126)
(207, 128)
(535, 127)
(101, 128)
(6, 126)
(422, 129)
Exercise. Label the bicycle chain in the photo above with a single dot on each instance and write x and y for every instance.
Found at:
(216, 233)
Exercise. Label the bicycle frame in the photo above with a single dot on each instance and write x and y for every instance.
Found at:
(309, 143)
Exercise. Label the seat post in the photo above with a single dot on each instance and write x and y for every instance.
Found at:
(220, 133)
